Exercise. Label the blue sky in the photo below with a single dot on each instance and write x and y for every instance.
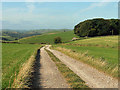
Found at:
(54, 15)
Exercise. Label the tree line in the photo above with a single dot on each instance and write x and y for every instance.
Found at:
(97, 27)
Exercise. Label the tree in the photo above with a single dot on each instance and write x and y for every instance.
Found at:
(16, 39)
(92, 32)
(97, 27)
(57, 40)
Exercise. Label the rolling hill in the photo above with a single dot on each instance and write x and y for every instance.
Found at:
(11, 35)
(49, 37)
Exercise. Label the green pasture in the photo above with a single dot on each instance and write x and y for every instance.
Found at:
(103, 41)
(13, 57)
(49, 37)
(108, 54)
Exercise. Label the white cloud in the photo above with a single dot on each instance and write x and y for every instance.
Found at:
(98, 4)
(94, 5)
(30, 6)
(17, 16)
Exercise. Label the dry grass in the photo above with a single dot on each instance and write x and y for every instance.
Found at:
(51, 33)
(82, 56)
(99, 63)
(29, 37)
(21, 80)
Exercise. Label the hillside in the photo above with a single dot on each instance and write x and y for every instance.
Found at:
(104, 41)
(49, 37)
(11, 35)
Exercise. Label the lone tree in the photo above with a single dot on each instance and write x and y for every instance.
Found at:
(57, 40)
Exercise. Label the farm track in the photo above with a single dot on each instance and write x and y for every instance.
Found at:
(46, 74)
(92, 77)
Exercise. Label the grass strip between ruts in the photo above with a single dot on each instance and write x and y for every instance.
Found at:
(72, 79)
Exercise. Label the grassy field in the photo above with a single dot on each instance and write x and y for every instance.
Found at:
(49, 37)
(100, 56)
(13, 57)
(72, 79)
(103, 41)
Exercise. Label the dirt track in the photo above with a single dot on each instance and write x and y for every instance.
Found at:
(91, 76)
(47, 74)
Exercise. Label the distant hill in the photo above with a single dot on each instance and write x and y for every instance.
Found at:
(49, 37)
(10, 35)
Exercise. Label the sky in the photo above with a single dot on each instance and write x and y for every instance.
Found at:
(53, 15)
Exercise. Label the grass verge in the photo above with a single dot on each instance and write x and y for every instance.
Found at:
(73, 80)
(23, 77)
(99, 63)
